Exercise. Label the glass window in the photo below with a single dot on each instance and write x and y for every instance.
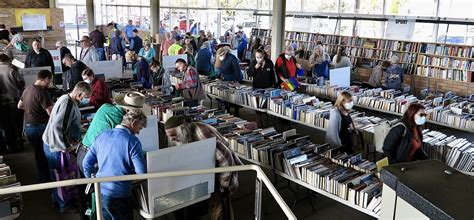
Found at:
(147, 2)
(321, 6)
(370, 28)
(178, 19)
(423, 32)
(370, 7)
(293, 5)
(265, 5)
(111, 14)
(348, 6)
(197, 3)
(144, 22)
(165, 18)
(324, 26)
(179, 3)
(456, 34)
(456, 8)
(247, 4)
(411, 7)
(347, 27)
(212, 3)
(470, 35)
(163, 3)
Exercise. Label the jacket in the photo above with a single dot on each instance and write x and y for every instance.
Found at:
(375, 79)
(74, 75)
(282, 69)
(397, 145)
(334, 127)
(100, 93)
(89, 55)
(11, 82)
(394, 77)
(136, 44)
(116, 46)
(230, 68)
(263, 77)
(64, 125)
(97, 38)
(43, 58)
(203, 60)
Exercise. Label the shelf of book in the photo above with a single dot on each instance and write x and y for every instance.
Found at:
(295, 121)
(310, 187)
(245, 106)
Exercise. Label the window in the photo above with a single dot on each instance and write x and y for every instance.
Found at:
(242, 4)
(347, 26)
(326, 6)
(370, 28)
(212, 3)
(164, 3)
(197, 3)
(179, 3)
(455, 34)
(370, 7)
(348, 6)
(423, 32)
(456, 8)
(293, 5)
(265, 5)
(323, 26)
(411, 7)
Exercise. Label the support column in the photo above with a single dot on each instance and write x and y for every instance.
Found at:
(90, 15)
(52, 3)
(155, 18)
(278, 27)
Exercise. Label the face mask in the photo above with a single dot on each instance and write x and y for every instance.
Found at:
(221, 58)
(259, 59)
(420, 120)
(88, 81)
(84, 102)
(287, 56)
(349, 105)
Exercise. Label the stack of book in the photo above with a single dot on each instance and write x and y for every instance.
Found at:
(10, 204)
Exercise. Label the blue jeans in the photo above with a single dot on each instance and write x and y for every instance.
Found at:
(53, 159)
(101, 53)
(34, 134)
(117, 208)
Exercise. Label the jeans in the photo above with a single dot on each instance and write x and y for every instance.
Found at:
(34, 134)
(101, 53)
(53, 159)
(117, 208)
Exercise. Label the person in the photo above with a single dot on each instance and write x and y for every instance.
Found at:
(375, 80)
(319, 62)
(189, 51)
(262, 71)
(204, 60)
(256, 45)
(338, 134)
(404, 141)
(74, 74)
(88, 54)
(140, 69)
(4, 33)
(394, 75)
(147, 52)
(37, 104)
(117, 152)
(129, 31)
(192, 41)
(38, 56)
(268, 50)
(191, 84)
(117, 48)
(286, 65)
(212, 42)
(16, 40)
(341, 59)
(166, 44)
(11, 83)
(181, 130)
(63, 131)
(100, 92)
(112, 32)
(229, 65)
(63, 50)
(176, 48)
(98, 40)
(161, 78)
(300, 52)
(136, 42)
(202, 38)
(242, 47)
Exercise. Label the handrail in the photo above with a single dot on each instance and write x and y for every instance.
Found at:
(260, 175)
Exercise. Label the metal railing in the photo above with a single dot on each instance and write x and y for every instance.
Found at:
(261, 178)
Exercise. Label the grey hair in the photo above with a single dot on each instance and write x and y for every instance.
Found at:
(290, 48)
(394, 59)
(205, 44)
(59, 43)
(82, 88)
(134, 115)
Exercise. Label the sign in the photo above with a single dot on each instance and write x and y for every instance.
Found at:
(34, 22)
(29, 74)
(340, 77)
(19, 12)
(56, 54)
(110, 68)
(170, 61)
(400, 29)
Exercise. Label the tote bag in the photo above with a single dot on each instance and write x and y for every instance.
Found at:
(67, 171)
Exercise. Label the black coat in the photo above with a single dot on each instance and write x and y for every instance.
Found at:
(397, 145)
(263, 77)
(63, 51)
(230, 68)
(43, 58)
(74, 75)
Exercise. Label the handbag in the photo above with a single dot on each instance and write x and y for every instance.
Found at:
(67, 171)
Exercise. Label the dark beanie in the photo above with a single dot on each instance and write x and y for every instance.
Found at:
(176, 121)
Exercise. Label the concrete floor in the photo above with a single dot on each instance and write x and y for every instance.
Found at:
(37, 206)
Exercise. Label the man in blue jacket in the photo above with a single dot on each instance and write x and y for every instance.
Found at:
(117, 152)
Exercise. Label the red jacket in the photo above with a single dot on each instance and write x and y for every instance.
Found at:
(100, 93)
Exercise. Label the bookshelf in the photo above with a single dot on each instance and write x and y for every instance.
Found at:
(446, 61)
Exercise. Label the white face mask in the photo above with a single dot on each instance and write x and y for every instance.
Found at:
(287, 56)
(348, 105)
(221, 58)
(259, 59)
(88, 81)
(419, 120)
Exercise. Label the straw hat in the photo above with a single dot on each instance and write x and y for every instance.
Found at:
(130, 100)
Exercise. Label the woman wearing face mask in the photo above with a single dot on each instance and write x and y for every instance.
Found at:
(404, 141)
(262, 71)
(338, 134)
(285, 65)
(229, 65)
(100, 91)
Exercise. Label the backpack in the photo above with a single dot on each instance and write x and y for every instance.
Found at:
(381, 132)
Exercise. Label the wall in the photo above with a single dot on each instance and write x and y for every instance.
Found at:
(50, 37)
(24, 4)
(419, 83)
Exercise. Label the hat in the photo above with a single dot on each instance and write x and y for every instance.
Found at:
(176, 121)
(131, 100)
(178, 37)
